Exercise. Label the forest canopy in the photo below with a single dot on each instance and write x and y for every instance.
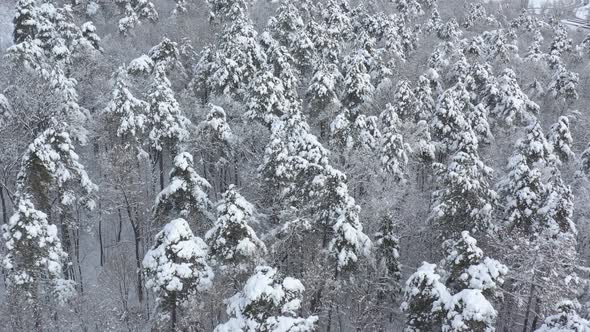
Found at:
(332, 165)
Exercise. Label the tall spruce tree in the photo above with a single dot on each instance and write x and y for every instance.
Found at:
(232, 241)
(176, 267)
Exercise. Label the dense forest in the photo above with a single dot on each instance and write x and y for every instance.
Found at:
(294, 166)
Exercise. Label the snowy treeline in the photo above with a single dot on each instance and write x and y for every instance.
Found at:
(337, 165)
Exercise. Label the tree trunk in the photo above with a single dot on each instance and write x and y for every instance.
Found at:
(138, 265)
(528, 306)
(137, 235)
(120, 226)
(536, 319)
(36, 308)
(236, 173)
(77, 252)
(173, 313)
(4, 208)
(100, 235)
(530, 297)
(67, 246)
(329, 326)
(161, 166)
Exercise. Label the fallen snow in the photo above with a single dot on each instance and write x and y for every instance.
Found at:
(583, 12)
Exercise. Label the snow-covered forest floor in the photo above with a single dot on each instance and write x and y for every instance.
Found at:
(331, 165)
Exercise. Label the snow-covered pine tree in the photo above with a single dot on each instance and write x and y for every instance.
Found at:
(215, 128)
(557, 211)
(390, 31)
(547, 249)
(477, 116)
(201, 82)
(507, 103)
(232, 240)
(448, 123)
(534, 52)
(185, 194)
(394, 151)
(476, 12)
(554, 60)
(241, 56)
(434, 23)
(142, 65)
(424, 99)
(409, 8)
(227, 11)
(51, 166)
(176, 267)
(469, 310)
(336, 15)
(523, 191)
(564, 84)
(124, 112)
(561, 42)
(534, 146)
(353, 130)
(54, 180)
(291, 155)
(326, 42)
(88, 31)
(498, 45)
(424, 148)
(68, 110)
(459, 70)
(475, 47)
(560, 138)
(268, 302)
(449, 31)
(168, 126)
(467, 267)
(288, 27)
(425, 297)
(358, 88)
(480, 77)
(477, 80)
(283, 64)
(438, 59)
(25, 21)
(456, 299)
(34, 261)
(465, 200)
(338, 212)
(165, 54)
(49, 56)
(527, 22)
(134, 13)
(565, 320)
(266, 101)
(404, 101)
(30, 55)
(387, 252)
(401, 39)
(367, 132)
(33, 249)
(218, 148)
(323, 90)
(297, 165)
(59, 35)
